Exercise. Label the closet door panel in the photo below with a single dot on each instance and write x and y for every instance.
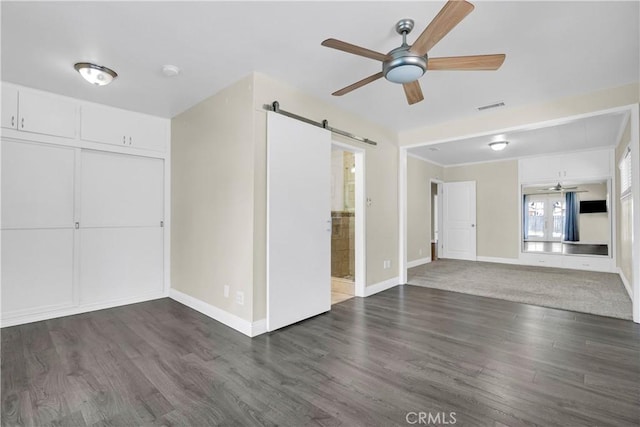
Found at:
(121, 190)
(120, 263)
(37, 270)
(37, 185)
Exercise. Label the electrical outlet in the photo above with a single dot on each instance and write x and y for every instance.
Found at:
(240, 297)
(226, 291)
(386, 264)
(420, 251)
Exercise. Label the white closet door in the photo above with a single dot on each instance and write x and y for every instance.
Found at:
(120, 263)
(37, 185)
(121, 190)
(37, 270)
(299, 221)
(459, 220)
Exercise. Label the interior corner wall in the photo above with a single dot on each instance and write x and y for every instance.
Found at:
(497, 205)
(381, 179)
(212, 199)
(624, 209)
(419, 212)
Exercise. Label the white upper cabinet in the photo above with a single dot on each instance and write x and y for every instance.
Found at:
(562, 167)
(9, 107)
(37, 112)
(124, 128)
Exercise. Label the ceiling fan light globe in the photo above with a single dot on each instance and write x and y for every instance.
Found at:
(404, 73)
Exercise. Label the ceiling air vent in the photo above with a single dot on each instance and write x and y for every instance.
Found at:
(490, 106)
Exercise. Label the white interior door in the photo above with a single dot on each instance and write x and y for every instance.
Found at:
(37, 227)
(121, 237)
(459, 220)
(298, 221)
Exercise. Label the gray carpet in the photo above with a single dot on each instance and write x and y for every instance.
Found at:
(575, 290)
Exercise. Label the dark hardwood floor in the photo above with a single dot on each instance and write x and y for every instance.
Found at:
(368, 362)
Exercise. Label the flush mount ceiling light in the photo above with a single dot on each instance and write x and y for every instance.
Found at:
(499, 145)
(95, 74)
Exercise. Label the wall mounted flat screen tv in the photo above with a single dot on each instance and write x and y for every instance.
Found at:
(593, 206)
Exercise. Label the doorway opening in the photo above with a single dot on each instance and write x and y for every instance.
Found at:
(436, 218)
(346, 195)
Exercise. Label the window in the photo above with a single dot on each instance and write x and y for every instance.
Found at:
(625, 174)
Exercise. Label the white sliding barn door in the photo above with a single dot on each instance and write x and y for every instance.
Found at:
(298, 221)
(459, 220)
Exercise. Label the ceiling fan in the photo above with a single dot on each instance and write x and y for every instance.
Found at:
(559, 188)
(407, 63)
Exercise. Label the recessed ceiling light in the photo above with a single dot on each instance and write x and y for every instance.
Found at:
(95, 74)
(170, 70)
(499, 145)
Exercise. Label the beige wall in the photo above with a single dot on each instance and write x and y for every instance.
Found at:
(419, 212)
(497, 205)
(624, 213)
(212, 199)
(594, 227)
(381, 180)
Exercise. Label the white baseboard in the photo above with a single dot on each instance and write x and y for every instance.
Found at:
(417, 262)
(381, 286)
(231, 320)
(626, 283)
(499, 260)
(20, 319)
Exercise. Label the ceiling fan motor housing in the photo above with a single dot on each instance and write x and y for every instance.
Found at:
(404, 66)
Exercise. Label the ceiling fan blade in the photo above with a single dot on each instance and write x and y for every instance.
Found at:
(473, 62)
(356, 50)
(413, 91)
(358, 84)
(449, 16)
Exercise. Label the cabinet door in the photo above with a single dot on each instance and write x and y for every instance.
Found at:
(149, 133)
(37, 185)
(46, 114)
(37, 270)
(120, 263)
(9, 107)
(103, 124)
(120, 190)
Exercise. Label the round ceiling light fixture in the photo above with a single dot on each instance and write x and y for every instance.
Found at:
(404, 66)
(499, 145)
(95, 74)
(170, 70)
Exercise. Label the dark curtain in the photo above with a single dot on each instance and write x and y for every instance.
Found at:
(571, 232)
(525, 217)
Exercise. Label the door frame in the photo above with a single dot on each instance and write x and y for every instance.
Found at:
(438, 212)
(360, 232)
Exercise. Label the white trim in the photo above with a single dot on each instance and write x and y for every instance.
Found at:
(499, 260)
(381, 286)
(19, 319)
(417, 262)
(424, 159)
(220, 315)
(635, 191)
(626, 283)
(402, 214)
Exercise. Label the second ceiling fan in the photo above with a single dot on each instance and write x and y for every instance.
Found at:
(407, 63)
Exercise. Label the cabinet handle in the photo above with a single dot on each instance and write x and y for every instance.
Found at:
(129, 140)
(124, 139)
(22, 123)
(77, 225)
(13, 121)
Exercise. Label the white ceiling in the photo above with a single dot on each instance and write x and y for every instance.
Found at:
(583, 134)
(553, 49)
